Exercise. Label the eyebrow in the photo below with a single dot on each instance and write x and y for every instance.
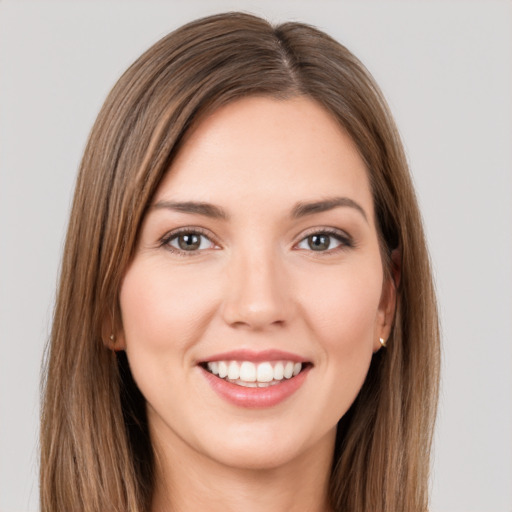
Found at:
(301, 209)
(199, 208)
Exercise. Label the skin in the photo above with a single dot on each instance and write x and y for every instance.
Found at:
(254, 283)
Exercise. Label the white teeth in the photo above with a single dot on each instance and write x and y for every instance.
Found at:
(213, 367)
(288, 370)
(249, 374)
(247, 384)
(279, 371)
(265, 372)
(223, 369)
(248, 371)
(233, 370)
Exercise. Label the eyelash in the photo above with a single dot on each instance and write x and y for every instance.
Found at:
(166, 240)
(344, 240)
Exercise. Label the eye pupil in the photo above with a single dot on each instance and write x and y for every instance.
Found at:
(318, 242)
(189, 242)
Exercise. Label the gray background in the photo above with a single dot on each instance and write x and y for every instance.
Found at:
(446, 69)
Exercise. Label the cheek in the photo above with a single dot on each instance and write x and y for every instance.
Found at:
(341, 312)
(343, 309)
(162, 307)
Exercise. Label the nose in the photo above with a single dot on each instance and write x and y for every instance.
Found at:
(259, 292)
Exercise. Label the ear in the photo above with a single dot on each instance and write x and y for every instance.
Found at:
(387, 305)
(112, 334)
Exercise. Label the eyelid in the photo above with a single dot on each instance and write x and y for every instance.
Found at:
(342, 236)
(346, 240)
(164, 240)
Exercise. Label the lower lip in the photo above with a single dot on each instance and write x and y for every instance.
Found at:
(255, 398)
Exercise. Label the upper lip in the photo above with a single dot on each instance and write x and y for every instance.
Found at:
(255, 356)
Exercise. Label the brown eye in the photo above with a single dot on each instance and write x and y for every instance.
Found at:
(323, 241)
(189, 241)
(319, 242)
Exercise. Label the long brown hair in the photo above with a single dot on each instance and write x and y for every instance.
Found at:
(96, 453)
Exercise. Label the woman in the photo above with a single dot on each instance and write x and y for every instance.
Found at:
(246, 316)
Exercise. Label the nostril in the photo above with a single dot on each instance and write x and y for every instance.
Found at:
(256, 314)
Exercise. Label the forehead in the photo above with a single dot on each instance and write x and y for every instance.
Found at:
(261, 148)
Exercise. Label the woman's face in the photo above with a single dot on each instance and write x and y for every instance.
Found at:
(258, 258)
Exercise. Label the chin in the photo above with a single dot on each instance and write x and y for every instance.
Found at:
(258, 448)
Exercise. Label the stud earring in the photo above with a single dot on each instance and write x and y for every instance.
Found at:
(382, 342)
(112, 338)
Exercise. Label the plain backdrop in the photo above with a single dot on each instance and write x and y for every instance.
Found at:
(446, 69)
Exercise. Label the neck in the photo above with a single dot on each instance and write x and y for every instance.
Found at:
(189, 481)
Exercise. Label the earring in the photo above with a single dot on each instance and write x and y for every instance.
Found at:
(112, 338)
(382, 342)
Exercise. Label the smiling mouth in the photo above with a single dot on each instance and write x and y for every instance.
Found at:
(254, 375)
